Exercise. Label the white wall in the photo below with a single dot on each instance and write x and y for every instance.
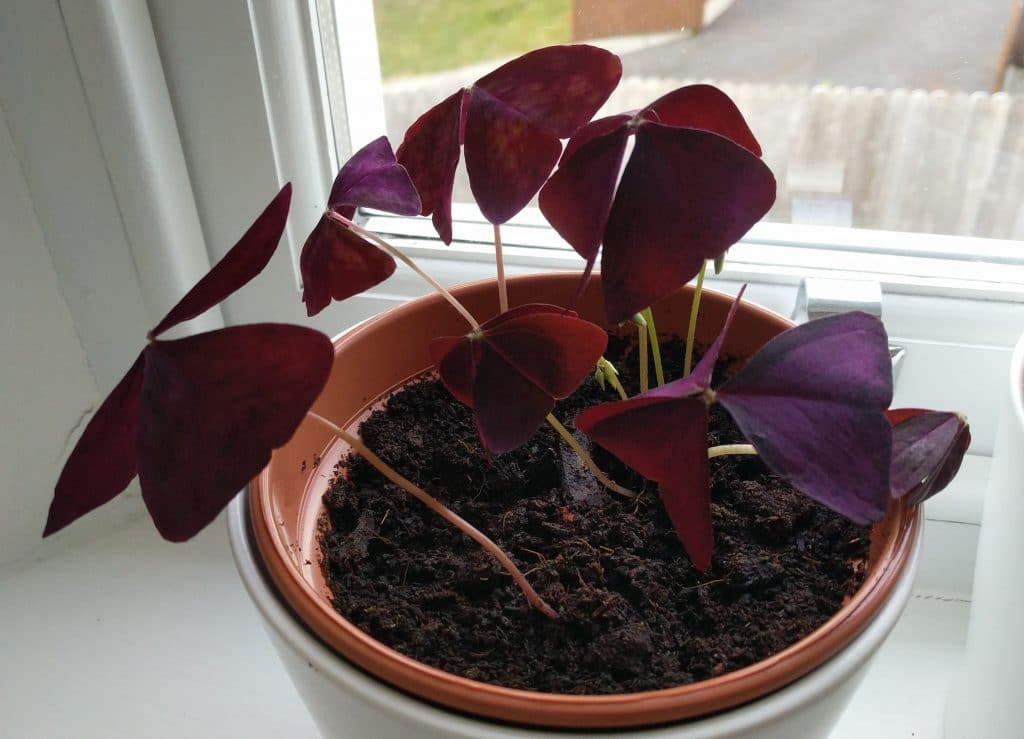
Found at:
(46, 388)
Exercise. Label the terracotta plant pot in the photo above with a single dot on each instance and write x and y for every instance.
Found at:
(385, 352)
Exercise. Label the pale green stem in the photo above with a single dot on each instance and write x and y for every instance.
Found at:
(587, 460)
(444, 512)
(719, 451)
(499, 262)
(389, 249)
(691, 330)
(644, 380)
(652, 334)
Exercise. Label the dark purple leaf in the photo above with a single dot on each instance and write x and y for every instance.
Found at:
(338, 263)
(578, 197)
(593, 130)
(430, 153)
(685, 197)
(928, 447)
(508, 157)
(665, 440)
(704, 107)
(374, 179)
(212, 409)
(558, 88)
(245, 260)
(662, 434)
(511, 121)
(812, 401)
(103, 461)
(513, 370)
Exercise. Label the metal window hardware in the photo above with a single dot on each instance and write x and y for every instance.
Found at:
(822, 296)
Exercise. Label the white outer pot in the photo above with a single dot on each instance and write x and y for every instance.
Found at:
(985, 701)
(347, 703)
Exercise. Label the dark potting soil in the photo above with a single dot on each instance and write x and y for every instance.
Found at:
(634, 613)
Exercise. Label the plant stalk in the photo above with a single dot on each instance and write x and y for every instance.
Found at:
(691, 330)
(587, 460)
(392, 251)
(652, 335)
(723, 449)
(644, 379)
(444, 512)
(499, 262)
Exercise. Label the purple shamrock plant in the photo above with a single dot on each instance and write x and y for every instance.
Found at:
(196, 418)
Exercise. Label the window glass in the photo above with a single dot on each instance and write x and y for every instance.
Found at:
(878, 115)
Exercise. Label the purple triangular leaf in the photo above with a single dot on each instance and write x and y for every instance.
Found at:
(928, 447)
(665, 440)
(508, 157)
(103, 461)
(338, 263)
(430, 153)
(374, 179)
(213, 407)
(812, 401)
(685, 197)
(578, 197)
(512, 371)
(557, 88)
(704, 107)
(245, 260)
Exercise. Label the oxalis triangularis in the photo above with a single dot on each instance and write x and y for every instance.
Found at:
(196, 418)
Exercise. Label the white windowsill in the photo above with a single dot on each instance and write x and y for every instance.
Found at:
(131, 636)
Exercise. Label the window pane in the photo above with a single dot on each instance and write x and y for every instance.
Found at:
(875, 115)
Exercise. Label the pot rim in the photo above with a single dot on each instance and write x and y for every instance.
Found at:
(281, 620)
(564, 710)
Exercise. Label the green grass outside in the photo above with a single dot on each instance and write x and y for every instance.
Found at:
(423, 36)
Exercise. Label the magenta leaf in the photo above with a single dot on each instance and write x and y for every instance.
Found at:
(513, 370)
(812, 401)
(510, 121)
(103, 461)
(928, 447)
(245, 260)
(374, 179)
(213, 407)
(338, 263)
(685, 197)
(665, 440)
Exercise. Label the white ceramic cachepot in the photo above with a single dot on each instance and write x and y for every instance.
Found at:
(347, 703)
(985, 701)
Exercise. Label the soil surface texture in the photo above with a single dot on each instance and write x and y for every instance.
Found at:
(635, 615)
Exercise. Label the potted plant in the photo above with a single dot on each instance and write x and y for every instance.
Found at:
(197, 418)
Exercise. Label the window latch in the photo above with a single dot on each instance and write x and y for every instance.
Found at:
(824, 296)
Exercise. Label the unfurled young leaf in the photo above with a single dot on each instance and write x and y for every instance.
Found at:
(336, 262)
(693, 185)
(197, 417)
(928, 447)
(510, 122)
(512, 371)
